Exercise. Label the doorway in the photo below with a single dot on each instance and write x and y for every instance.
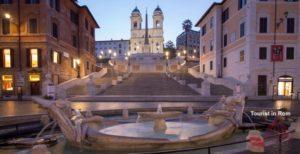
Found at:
(262, 85)
(285, 86)
(35, 84)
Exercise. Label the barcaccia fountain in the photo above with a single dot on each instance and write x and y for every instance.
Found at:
(155, 134)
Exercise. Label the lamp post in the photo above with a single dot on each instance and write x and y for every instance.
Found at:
(20, 76)
(167, 54)
(276, 26)
(128, 58)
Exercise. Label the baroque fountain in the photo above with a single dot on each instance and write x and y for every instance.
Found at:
(151, 132)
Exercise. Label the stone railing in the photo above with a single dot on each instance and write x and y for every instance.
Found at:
(230, 83)
(62, 88)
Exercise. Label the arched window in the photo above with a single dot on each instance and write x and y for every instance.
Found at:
(135, 25)
(158, 23)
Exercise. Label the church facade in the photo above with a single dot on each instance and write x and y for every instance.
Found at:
(147, 40)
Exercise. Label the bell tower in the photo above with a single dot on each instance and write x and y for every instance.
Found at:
(136, 19)
(158, 18)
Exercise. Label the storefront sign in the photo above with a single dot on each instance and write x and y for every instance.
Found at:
(34, 78)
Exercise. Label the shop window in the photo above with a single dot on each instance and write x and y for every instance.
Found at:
(7, 83)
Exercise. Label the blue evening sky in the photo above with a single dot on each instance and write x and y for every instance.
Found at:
(114, 15)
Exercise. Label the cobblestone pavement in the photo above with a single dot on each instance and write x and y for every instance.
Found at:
(15, 108)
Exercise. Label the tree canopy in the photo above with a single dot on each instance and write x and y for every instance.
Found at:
(187, 25)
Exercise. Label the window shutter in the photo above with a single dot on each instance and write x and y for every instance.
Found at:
(12, 55)
(1, 58)
(51, 56)
(28, 59)
(60, 58)
(72, 66)
(40, 58)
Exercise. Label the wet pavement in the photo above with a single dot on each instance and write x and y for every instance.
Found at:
(15, 108)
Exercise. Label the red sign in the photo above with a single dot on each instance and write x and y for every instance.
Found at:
(277, 53)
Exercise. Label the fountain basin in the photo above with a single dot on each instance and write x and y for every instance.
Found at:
(175, 131)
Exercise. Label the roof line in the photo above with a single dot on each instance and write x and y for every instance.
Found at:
(88, 10)
(208, 11)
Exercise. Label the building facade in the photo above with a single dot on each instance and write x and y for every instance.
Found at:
(255, 42)
(49, 39)
(190, 42)
(106, 49)
(155, 34)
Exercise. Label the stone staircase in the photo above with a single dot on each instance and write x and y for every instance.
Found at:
(195, 83)
(149, 84)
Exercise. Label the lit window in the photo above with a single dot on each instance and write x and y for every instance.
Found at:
(55, 57)
(7, 58)
(75, 63)
(34, 58)
(7, 83)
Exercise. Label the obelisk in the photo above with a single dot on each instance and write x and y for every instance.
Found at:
(146, 44)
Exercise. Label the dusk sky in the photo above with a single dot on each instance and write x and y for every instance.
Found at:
(114, 15)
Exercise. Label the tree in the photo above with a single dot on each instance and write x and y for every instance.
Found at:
(187, 25)
(170, 47)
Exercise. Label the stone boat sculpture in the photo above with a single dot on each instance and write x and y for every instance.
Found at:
(225, 115)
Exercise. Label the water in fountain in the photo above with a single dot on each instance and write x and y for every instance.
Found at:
(159, 109)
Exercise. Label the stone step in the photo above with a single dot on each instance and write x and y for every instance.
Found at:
(145, 98)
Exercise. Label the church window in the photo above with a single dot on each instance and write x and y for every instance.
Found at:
(135, 24)
(158, 24)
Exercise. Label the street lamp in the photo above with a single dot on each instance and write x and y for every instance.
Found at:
(7, 15)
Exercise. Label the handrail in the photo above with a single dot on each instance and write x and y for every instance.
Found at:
(221, 145)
